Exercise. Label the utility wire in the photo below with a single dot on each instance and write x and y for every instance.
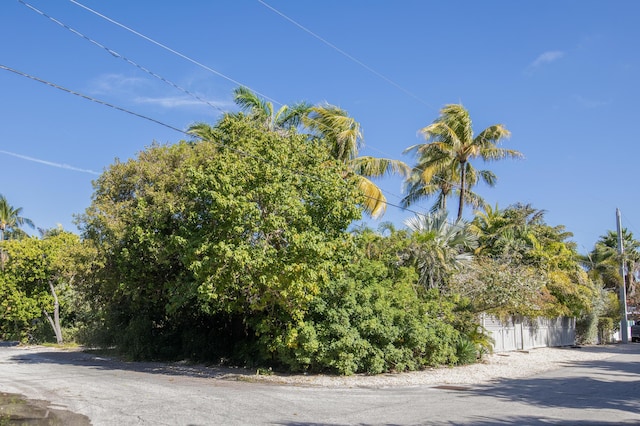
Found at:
(626, 219)
(239, 152)
(342, 52)
(89, 98)
(117, 55)
(181, 55)
(149, 39)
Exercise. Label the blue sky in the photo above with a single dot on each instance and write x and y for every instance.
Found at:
(562, 76)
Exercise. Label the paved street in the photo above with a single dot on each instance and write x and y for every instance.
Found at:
(109, 392)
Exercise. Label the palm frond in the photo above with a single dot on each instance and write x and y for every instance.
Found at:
(203, 131)
(378, 167)
(374, 203)
(291, 116)
(258, 108)
(341, 132)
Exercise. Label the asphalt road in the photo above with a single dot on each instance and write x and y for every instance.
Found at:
(108, 392)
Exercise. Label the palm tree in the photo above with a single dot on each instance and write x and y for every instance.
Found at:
(262, 111)
(603, 262)
(442, 184)
(333, 127)
(451, 145)
(11, 220)
(438, 248)
(204, 131)
(515, 231)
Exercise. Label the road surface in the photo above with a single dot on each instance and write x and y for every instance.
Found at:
(103, 391)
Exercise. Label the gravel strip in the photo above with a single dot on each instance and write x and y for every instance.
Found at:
(506, 365)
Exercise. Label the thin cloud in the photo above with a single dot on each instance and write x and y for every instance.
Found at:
(179, 102)
(590, 103)
(50, 163)
(141, 91)
(544, 59)
(110, 83)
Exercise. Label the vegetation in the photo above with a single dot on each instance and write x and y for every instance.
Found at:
(36, 287)
(450, 147)
(11, 221)
(333, 128)
(238, 246)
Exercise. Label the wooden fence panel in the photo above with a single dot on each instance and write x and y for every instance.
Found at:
(529, 333)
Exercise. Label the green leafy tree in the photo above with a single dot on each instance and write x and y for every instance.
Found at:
(230, 238)
(517, 241)
(451, 145)
(37, 281)
(11, 220)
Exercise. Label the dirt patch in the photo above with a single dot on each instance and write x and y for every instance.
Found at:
(17, 410)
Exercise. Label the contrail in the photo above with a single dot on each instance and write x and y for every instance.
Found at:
(49, 163)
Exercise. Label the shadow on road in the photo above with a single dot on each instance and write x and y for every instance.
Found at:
(478, 421)
(532, 421)
(90, 360)
(612, 383)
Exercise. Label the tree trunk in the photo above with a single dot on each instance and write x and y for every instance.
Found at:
(55, 322)
(463, 184)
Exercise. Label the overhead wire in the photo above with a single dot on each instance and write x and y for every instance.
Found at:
(237, 151)
(631, 227)
(115, 54)
(347, 55)
(367, 67)
(165, 47)
(181, 55)
(87, 97)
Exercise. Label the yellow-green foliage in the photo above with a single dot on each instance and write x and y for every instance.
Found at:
(30, 265)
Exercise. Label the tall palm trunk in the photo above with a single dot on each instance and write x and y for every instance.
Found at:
(463, 184)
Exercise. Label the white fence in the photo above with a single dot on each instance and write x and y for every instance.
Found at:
(527, 333)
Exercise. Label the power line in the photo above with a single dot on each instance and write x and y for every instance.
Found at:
(342, 52)
(89, 98)
(368, 68)
(117, 55)
(239, 152)
(626, 219)
(183, 56)
(196, 62)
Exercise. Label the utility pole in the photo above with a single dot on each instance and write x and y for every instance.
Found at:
(624, 328)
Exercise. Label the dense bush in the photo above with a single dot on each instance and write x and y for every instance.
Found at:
(367, 322)
(237, 249)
